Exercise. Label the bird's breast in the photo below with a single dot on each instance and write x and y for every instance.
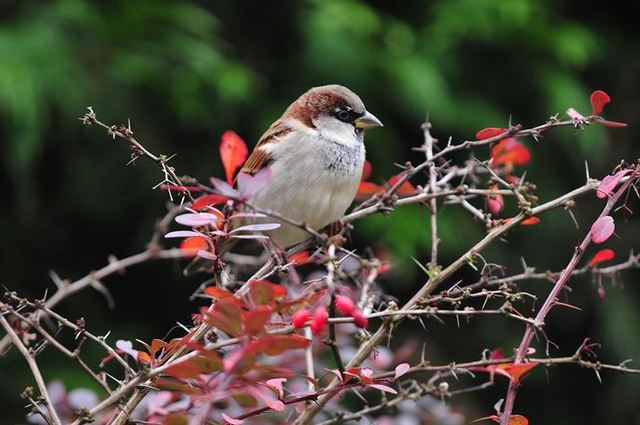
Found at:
(315, 186)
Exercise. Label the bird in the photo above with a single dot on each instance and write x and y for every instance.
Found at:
(316, 154)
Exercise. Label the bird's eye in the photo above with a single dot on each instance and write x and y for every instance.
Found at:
(344, 115)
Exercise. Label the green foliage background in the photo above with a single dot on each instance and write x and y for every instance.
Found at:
(184, 72)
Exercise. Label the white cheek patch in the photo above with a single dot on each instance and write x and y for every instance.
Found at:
(335, 130)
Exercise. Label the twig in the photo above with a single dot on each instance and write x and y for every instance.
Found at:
(367, 347)
(551, 300)
(35, 371)
(433, 204)
(113, 267)
(126, 133)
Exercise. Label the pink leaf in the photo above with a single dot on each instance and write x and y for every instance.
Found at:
(231, 420)
(183, 234)
(602, 229)
(249, 185)
(276, 405)
(250, 236)
(261, 227)
(127, 347)
(609, 183)
(197, 219)
(401, 369)
(207, 255)
(385, 388)
(276, 385)
(223, 188)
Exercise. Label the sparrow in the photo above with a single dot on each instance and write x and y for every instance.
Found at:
(316, 154)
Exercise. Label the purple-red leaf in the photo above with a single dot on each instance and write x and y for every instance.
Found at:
(385, 388)
(126, 347)
(223, 188)
(609, 183)
(602, 229)
(197, 219)
(183, 234)
(207, 255)
(260, 227)
(231, 420)
(248, 185)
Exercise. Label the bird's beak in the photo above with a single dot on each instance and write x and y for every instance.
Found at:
(368, 120)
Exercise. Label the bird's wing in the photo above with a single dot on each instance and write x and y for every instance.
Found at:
(262, 154)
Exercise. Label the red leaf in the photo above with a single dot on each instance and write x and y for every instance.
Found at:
(265, 292)
(405, 188)
(144, 357)
(203, 202)
(602, 229)
(516, 371)
(226, 316)
(510, 151)
(233, 153)
(518, 420)
(602, 256)
(193, 244)
(531, 221)
(274, 345)
(513, 419)
(300, 258)
(183, 370)
(254, 321)
(157, 345)
(598, 99)
(609, 183)
(366, 170)
(217, 293)
(366, 189)
(488, 133)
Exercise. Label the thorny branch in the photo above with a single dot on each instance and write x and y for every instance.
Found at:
(51, 416)
(138, 150)
(130, 392)
(551, 300)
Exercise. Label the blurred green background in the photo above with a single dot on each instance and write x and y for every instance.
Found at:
(184, 72)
